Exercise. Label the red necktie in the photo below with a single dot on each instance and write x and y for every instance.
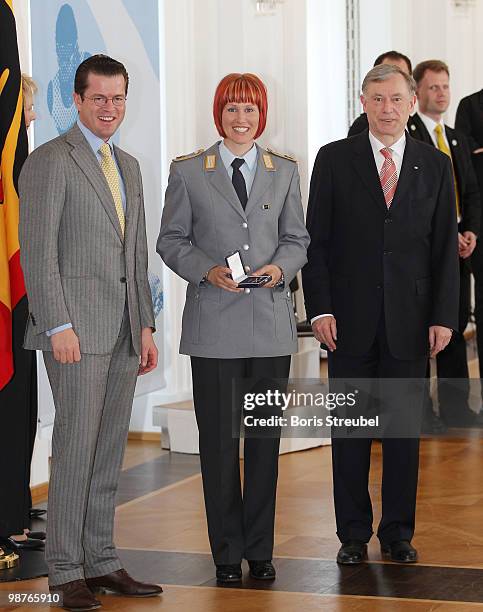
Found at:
(388, 176)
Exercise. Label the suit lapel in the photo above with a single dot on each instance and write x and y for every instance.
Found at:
(218, 178)
(129, 177)
(87, 162)
(418, 130)
(262, 181)
(365, 166)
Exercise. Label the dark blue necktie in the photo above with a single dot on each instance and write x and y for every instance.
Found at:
(239, 182)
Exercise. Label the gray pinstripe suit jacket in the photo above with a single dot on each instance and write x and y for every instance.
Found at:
(76, 265)
(203, 222)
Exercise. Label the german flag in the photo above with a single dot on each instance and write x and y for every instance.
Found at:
(14, 150)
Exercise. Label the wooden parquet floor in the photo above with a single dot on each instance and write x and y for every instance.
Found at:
(161, 533)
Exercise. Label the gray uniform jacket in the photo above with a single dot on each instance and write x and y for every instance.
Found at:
(203, 222)
(77, 267)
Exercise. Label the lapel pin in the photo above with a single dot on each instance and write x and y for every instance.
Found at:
(413, 127)
(416, 167)
(266, 206)
(454, 142)
(210, 162)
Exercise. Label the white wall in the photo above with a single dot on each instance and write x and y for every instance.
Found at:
(427, 29)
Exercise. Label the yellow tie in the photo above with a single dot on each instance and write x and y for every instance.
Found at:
(109, 168)
(442, 146)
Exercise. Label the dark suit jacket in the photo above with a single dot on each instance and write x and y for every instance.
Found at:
(469, 120)
(360, 124)
(364, 258)
(468, 191)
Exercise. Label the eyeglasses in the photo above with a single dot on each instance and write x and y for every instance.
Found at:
(103, 100)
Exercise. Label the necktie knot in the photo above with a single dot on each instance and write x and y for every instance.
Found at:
(105, 150)
(438, 129)
(237, 163)
(386, 153)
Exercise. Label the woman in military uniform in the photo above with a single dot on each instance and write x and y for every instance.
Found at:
(236, 196)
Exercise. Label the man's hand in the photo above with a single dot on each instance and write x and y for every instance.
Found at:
(65, 345)
(478, 151)
(274, 271)
(325, 330)
(149, 352)
(219, 277)
(466, 244)
(439, 338)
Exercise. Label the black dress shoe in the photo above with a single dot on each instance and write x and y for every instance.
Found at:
(37, 512)
(229, 573)
(400, 552)
(36, 535)
(262, 570)
(121, 583)
(28, 544)
(352, 552)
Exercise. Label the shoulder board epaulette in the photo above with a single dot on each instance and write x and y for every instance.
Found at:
(189, 156)
(284, 155)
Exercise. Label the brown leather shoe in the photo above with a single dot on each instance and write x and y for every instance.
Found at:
(121, 583)
(77, 597)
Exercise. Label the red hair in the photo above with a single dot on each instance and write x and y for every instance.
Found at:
(239, 88)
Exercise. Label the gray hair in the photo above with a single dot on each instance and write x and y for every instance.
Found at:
(382, 72)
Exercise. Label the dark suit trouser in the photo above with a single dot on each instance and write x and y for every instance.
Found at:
(351, 457)
(93, 402)
(477, 269)
(18, 422)
(452, 363)
(239, 526)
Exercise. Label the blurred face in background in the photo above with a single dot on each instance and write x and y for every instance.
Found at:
(400, 63)
(28, 108)
(434, 93)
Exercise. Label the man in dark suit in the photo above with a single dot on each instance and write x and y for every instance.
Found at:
(469, 121)
(433, 94)
(389, 57)
(381, 290)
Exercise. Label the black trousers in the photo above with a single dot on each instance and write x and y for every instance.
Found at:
(477, 269)
(351, 457)
(452, 363)
(239, 525)
(18, 424)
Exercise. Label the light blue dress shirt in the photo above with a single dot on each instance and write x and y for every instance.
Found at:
(248, 169)
(95, 143)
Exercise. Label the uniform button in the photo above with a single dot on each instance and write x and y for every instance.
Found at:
(288, 293)
(246, 247)
(388, 220)
(247, 268)
(245, 225)
(247, 291)
(123, 279)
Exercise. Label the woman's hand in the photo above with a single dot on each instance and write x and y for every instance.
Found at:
(219, 277)
(274, 271)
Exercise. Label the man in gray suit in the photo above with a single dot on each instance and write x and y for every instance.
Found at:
(84, 256)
